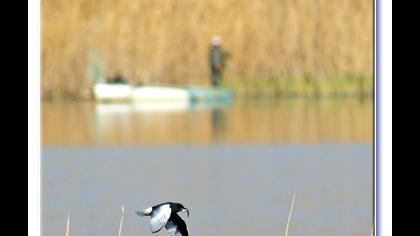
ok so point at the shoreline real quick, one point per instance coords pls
(303, 87)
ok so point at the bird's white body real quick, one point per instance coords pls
(145, 212)
(148, 211)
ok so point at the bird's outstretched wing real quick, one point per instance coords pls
(159, 218)
(176, 226)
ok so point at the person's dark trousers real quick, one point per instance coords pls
(216, 77)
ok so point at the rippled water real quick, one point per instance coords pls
(236, 167)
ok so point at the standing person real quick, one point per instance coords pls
(217, 60)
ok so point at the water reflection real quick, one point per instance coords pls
(217, 123)
(245, 121)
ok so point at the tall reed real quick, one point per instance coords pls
(290, 215)
(68, 226)
(121, 221)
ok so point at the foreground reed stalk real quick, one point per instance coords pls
(68, 226)
(121, 221)
(290, 214)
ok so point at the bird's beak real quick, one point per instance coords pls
(186, 210)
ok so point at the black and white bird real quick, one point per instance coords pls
(165, 214)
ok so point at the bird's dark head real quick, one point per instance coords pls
(178, 207)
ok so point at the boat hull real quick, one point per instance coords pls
(104, 92)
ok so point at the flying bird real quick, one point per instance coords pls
(165, 214)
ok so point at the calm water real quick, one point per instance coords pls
(235, 167)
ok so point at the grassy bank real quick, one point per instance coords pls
(280, 87)
(350, 86)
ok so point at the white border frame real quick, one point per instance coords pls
(384, 118)
(34, 121)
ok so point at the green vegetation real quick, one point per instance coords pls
(302, 86)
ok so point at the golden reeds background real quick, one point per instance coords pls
(167, 41)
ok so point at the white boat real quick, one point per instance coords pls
(110, 92)
(158, 93)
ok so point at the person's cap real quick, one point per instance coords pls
(216, 40)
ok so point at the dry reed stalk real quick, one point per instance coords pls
(68, 226)
(121, 221)
(290, 214)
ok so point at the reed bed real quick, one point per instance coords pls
(164, 41)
